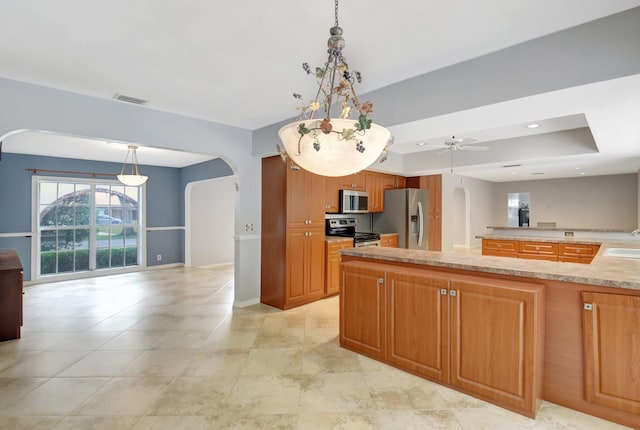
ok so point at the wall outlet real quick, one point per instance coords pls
(568, 234)
(159, 257)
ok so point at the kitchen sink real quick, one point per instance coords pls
(623, 252)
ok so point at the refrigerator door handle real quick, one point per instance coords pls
(420, 224)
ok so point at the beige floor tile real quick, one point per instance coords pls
(237, 421)
(12, 388)
(555, 417)
(174, 423)
(36, 341)
(97, 423)
(230, 339)
(57, 396)
(242, 321)
(60, 324)
(280, 337)
(400, 390)
(124, 396)
(273, 394)
(158, 322)
(273, 361)
(416, 419)
(494, 418)
(216, 363)
(28, 423)
(85, 341)
(159, 363)
(198, 322)
(46, 363)
(101, 363)
(335, 392)
(175, 340)
(10, 356)
(134, 340)
(329, 358)
(116, 323)
(339, 420)
(194, 396)
(284, 320)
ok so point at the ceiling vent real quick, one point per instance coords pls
(129, 99)
(513, 165)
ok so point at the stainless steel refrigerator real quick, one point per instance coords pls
(406, 213)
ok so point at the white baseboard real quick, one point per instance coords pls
(245, 303)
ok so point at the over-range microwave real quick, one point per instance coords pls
(354, 202)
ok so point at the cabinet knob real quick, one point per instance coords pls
(588, 306)
(452, 293)
(443, 291)
(380, 280)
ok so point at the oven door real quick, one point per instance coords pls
(367, 243)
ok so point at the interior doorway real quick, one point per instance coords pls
(461, 218)
(209, 221)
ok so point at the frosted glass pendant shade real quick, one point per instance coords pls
(334, 156)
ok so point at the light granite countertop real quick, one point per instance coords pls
(332, 239)
(596, 230)
(603, 271)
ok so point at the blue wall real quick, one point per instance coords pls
(164, 200)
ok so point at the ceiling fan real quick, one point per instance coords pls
(453, 143)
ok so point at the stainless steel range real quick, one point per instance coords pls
(346, 227)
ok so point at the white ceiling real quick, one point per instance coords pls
(238, 63)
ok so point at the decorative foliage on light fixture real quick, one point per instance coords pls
(338, 145)
(133, 179)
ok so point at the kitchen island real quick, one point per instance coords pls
(509, 331)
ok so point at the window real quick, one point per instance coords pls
(86, 225)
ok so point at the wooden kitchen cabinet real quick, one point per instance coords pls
(480, 335)
(576, 252)
(10, 295)
(500, 248)
(389, 240)
(400, 182)
(611, 330)
(538, 250)
(332, 258)
(292, 245)
(362, 309)
(418, 323)
(497, 341)
(375, 188)
(356, 181)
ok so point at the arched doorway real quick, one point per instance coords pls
(209, 221)
(461, 218)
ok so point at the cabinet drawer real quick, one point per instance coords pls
(334, 247)
(583, 260)
(390, 241)
(500, 245)
(540, 248)
(547, 257)
(577, 250)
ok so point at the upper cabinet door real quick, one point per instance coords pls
(611, 327)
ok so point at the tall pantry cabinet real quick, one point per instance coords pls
(292, 250)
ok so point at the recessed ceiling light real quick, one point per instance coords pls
(582, 173)
(577, 168)
(533, 125)
(421, 143)
(513, 173)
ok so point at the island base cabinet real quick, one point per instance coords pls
(482, 336)
(611, 329)
(418, 338)
(497, 342)
(362, 310)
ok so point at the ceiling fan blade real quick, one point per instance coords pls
(443, 152)
(474, 148)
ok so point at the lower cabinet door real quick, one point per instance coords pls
(493, 343)
(418, 323)
(611, 329)
(362, 309)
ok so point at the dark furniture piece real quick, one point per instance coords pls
(10, 295)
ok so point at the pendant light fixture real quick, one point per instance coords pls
(334, 145)
(133, 179)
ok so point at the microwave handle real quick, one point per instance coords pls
(420, 225)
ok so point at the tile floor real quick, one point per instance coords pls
(164, 349)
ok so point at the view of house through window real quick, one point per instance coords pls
(86, 225)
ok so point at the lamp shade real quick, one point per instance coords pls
(132, 180)
(335, 155)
